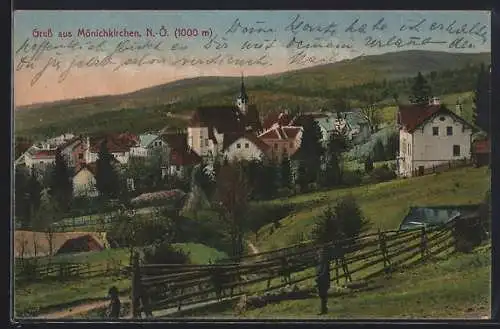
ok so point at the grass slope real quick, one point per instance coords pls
(454, 288)
(30, 298)
(151, 104)
(384, 204)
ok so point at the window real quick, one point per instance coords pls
(435, 131)
(456, 150)
(441, 118)
(275, 145)
(238, 145)
(449, 131)
(206, 142)
(80, 156)
(247, 145)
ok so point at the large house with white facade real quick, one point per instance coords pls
(211, 128)
(118, 145)
(431, 135)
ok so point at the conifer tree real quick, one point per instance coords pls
(420, 91)
(61, 182)
(107, 182)
(482, 102)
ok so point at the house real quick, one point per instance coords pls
(28, 244)
(147, 144)
(281, 141)
(481, 151)
(208, 125)
(357, 127)
(39, 159)
(73, 151)
(274, 119)
(244, 147)
(84, 182)
(431, 135)
(435, 215)
(118, 145)
(180, 156)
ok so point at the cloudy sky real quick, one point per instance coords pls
(74, 66)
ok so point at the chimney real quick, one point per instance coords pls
(434, 101)
(458, 108)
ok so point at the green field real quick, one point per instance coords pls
(456, 287)
(29, 298)
(384, 204)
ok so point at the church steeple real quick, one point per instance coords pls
(242, 100)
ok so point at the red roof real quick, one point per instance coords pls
(289, 132)
(116, 143)
(280, 118)
(45, 154)
(181, 154)
(413, 116)
(292, 132)
(482, 146)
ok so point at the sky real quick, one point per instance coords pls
(114, 65)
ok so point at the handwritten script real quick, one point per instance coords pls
(242, 43)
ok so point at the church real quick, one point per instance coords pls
(227, 131)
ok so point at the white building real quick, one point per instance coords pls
(84, 182)
(244, 147)
(209, 125)
(118, 146)
(147, 144)
(431, 135)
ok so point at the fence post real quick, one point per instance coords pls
(423, 242)
(383, 249)
(136, 282)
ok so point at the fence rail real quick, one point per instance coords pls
(161, 286)
(446, 165)
(28, 270)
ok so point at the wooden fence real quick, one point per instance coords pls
(164, 286)
(27, 270)
(446, 165)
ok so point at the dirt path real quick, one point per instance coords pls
(253, 248)
(78, 310)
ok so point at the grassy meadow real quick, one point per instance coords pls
(384, 204)
(455, 287)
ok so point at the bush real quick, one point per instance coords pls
(164, 253)
(284, 192)
(352, 178)
(138, 231)
(382, 174)
(351, 218)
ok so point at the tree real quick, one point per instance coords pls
(370, 108)
(61, 183)
(285, 173)
(378, 151)
(311, 150)
(49, 213)
(482, 101)
(21, 196)
(327, 228)
(337, 145)
(34, 190)
(420, 91)
(368, 164)
(352, 220)
(107, 182)
(232, 195)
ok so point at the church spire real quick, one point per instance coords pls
(242, 100)
(243, 94)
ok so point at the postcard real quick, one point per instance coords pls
(251, 165)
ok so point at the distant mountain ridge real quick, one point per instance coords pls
(183, 95)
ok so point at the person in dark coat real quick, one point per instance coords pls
(323, 279)
(114, 305)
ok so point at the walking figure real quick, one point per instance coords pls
(383, 249)
(114, 305)
(323, 279)
(285, 271)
